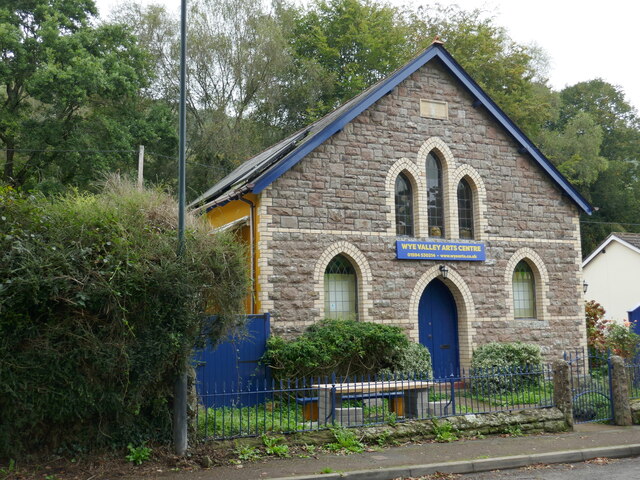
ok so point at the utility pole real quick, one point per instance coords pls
(141, 167)
(180, 387)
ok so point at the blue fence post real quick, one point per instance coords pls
(333, 398)
(453, 394)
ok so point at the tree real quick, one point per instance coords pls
(576, 150)
(607, 105)
(355, 42)
(66, 86)
(512, 74)
(237, 56)
(615, 189)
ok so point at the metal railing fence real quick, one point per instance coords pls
(307, 404)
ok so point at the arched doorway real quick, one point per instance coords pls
(438, 327)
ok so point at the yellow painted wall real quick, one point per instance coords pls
(234, 210)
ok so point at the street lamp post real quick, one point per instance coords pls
(180, 386)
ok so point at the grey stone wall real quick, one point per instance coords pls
(338, 193)
(549, 420)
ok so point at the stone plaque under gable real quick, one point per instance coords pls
(434, 109)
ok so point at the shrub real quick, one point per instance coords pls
(344, 347)
(97, 311)
(596, 327)
(498, 367)
(413, 360)
(607, 336)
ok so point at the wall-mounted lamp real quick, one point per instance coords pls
(444, 271)
(585, 287)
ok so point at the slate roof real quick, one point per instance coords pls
(629, 240)
(257, 173)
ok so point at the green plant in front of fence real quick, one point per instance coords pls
(514, 431)
(444, 431)
(139, 454)
(247, 453)
(229, 422)
(275, 446)
(345, 441)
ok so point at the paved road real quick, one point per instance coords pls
(621, 469)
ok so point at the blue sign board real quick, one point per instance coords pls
(451, 251)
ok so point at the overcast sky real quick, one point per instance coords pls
(585, 39)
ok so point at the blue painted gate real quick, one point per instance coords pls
(438, 328)
(634, 317)
(233, 366)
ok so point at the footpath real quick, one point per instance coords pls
(587, 441)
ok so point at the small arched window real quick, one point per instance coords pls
(435, 194)
(340, 289)
(465, 209)
(404, 206)
(524, 291)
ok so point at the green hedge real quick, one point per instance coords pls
(495, 366)
(96, 311)
(346, 347)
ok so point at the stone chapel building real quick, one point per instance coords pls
(420, 204)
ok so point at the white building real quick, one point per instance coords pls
(611, 273)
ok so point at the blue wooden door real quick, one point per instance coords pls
(438, 328)
(234, 366)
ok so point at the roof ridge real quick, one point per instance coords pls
(261, 170)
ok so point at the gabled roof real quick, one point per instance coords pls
(260, 171)
(629, 240)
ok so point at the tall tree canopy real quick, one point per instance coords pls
(257, 72)
(69, 90)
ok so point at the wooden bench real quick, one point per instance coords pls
(406, 397)
(310, 404)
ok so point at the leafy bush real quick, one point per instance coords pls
(413, 360)
(97, 311)
(596, 326)
(622, 340)
(608, 336)
(345, 347)
(500, 367)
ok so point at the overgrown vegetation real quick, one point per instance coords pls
(345, 441)
(97, 311)
(229, 422)
(505, 367)
(444, 431)
(608, 336)
(345, 347)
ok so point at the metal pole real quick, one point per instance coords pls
(180, 386)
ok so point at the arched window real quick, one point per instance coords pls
(435, 196)
(465, 209)
(404, 206)
(524, 291)
(340, 289)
